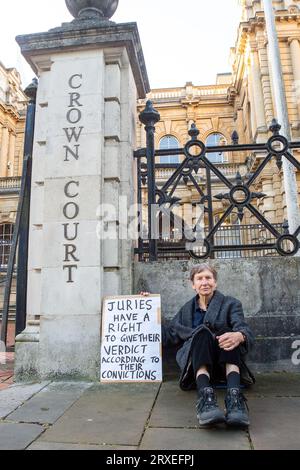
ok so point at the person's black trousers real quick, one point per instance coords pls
(206, 352)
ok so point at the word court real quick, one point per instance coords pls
(71, 207)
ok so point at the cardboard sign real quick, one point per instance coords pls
(131, 339)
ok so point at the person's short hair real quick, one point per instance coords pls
(199, 268)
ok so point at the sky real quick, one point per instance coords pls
(183, 41)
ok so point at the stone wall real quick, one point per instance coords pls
(269, 289)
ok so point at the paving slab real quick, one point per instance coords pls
(18, 436)
(14, 396)
(275, 423)
(50, 403)
(113, 414)
(217, 438)
(174, 408)
(64, 446)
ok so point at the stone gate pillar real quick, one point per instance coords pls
(91, 72)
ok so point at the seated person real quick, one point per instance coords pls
(214, 340)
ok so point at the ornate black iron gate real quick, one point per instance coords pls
(239, 196)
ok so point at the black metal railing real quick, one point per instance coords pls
(172, 249)
(19, 242)
(239, 196)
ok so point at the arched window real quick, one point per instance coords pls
(6, 235)
(169, 142)
(214, 140)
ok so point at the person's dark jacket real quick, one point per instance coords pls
(224, 313)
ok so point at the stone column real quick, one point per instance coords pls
(11, 154)
(265, 78)
(290, 184)
(295, 55)
(252, 104)
(268, 208)
(278, 196)
(258, 97)
(1, 137)
(4, 152)
(91, 73)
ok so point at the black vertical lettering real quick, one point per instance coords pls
(66, 232)
(72, 80)
(77, 116)
(69, 251)
(73, 133)
(69, 268)
(67, 212)
(74, 154)
(66, 190)
(74, 97)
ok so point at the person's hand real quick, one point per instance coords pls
(230, 341)
(145, 294)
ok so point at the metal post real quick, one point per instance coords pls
(210, 207)
(290, 182)
(140, 213)
(21, 295)
(12, 256)
(150, 117)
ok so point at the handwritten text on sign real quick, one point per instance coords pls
(131, 339)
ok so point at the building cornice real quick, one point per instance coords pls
(85, 35)
(10, 110)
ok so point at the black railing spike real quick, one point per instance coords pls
(285, 227)
(149, 116)
(235, 138)
(196, 167)
(238, 178)
(275, 127)
(194, 132)
(241, 214)
(279, 162)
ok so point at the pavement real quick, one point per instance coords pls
(132, 417)
(7, 359)
(6, 370)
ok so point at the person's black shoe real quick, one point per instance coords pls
(207, 408)
(236, 408)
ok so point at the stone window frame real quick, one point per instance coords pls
(6, 236)
(224, 158)
(173, 159)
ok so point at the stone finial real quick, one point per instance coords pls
(85, 9)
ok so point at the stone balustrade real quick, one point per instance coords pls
(182, 93)
(11, 183)
(228, 170)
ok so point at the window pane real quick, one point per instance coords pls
(214, 140)
(6, 235)
(169, 142)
